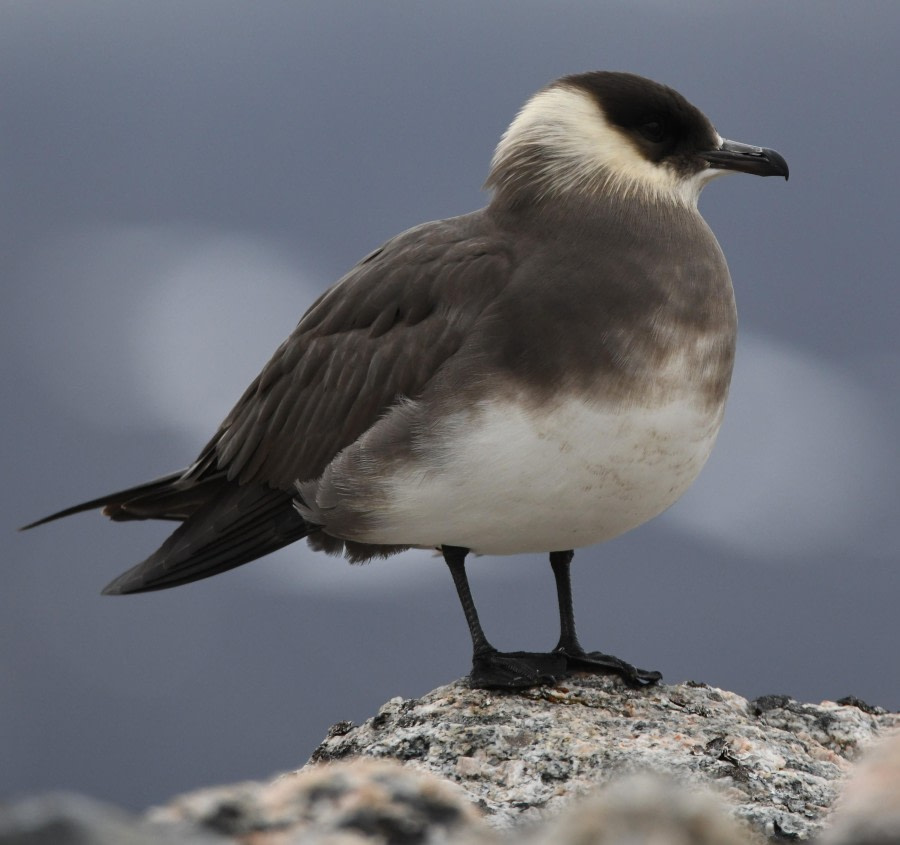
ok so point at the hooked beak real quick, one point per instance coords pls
(746, 158)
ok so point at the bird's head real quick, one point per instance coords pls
(617, 135)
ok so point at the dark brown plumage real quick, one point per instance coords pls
(588, 290)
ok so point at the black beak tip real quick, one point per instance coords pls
(745, 158)
(780, 165)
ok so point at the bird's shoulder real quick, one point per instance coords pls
(380, 333)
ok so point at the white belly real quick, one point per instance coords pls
(509, 481)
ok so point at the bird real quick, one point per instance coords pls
(539, 375)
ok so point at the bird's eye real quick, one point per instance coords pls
(653, 131)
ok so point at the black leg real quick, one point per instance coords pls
(492, 669)
(576, 657)
(455, 558)
(561, 562)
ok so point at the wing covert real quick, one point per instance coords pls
(380, 333)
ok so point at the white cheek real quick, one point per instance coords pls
(585, 152)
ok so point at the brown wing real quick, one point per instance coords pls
(379, 334)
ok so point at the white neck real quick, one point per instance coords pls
(561, 142)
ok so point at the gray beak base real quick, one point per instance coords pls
(746, 158)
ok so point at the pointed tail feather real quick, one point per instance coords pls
(170, 497)
(239, 525)
(115, 505)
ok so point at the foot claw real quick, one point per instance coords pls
(597, 661)
(524, 669)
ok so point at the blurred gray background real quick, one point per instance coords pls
(179, 180)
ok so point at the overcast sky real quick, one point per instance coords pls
(180, 180)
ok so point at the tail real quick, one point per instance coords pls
(239, 525)
(224, 525)
(162, 498)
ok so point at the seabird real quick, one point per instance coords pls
(537, 376)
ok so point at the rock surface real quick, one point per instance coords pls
(644, 810)
(64, 818)
(383, 802)
(868, 809)
(360, 803)
(520, 757)
(777, 762)
(675, 765)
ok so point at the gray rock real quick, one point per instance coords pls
(382, 802)
(645, 810)
(868, 810)
(71, 819)
(589, 763)
(379, 802)
(521, 756)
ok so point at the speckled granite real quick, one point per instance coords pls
(868, 809)
(377, 802)
(778, 763)
(589, 762)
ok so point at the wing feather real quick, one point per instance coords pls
(375, 338)
(378, 335)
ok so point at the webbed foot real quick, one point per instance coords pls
(578, 660)
(517, 669)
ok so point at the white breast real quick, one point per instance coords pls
(506, 479)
